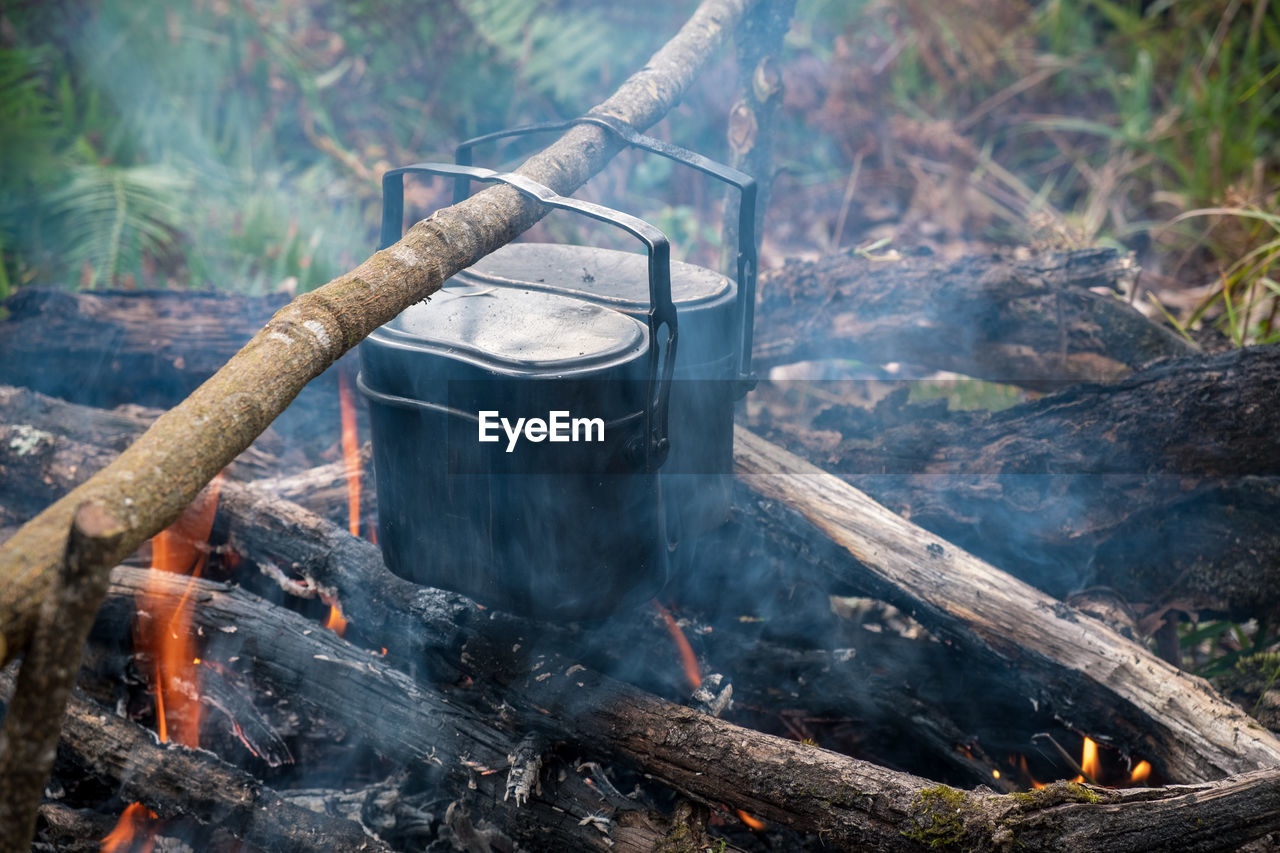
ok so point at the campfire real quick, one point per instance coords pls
(220, 655)
(897, 627)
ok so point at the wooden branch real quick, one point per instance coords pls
(1033, 322)
(753, 117)
(149, 485)
(173, 780)
(29, 738)
(1095, 679)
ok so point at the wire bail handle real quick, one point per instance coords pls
(744, 183)
(662, 310)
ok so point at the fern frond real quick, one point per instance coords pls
(111, 216)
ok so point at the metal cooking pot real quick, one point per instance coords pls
(713, 369)
(554, 529)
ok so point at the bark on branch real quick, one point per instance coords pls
(150, 484)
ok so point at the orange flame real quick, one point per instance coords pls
(1026, 771)
(751, 822)
(350, 451)
(688, 660)
(1141, 772)
(132, 826)
(1089, 762)
(336, 622)
(170, 640)
(351, 463)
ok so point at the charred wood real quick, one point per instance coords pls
(418, 624)
(1029, 322)
(1162, 486)
(1034, 320)
(652, 718)
(110, 348)
(175, 781)
(1094, 678)
(112, 429)
(465, 739)
(851, 804)
(69, 830)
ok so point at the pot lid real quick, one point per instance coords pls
(515, 331)
(607, 277)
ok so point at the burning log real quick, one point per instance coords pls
(175, 781)
(1031, 322)
(407, 720)
(851, 804)
(617, 720)
(345, 567)
(1091, 675)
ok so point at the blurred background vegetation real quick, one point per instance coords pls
(237, 144)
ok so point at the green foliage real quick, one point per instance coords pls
(1249, 291)
(110, 217)
(1073, 122)
(561, 51)
(1215, 647)
(939, 814)
(968, 394)
(238, 145)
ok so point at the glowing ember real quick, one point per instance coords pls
(165, 634)
(1141, 772)
(133, 832)
(688, 660)
(751, 822)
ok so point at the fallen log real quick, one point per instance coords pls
(106, 349)
(175, 781)
(1095, 679)
(1032, 322)
(1162, 486)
